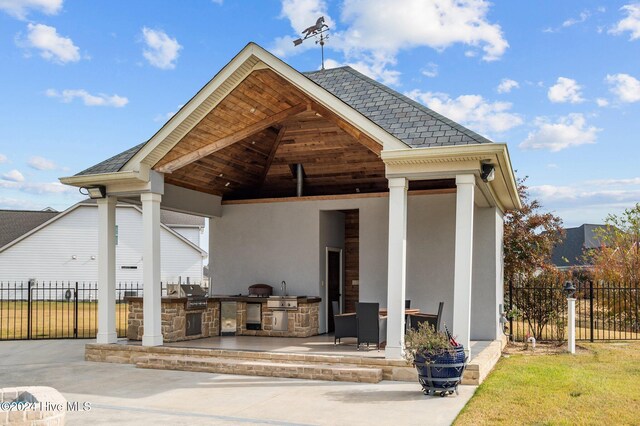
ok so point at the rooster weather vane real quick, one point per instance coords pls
(314, 31)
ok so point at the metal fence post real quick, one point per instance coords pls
(75, 313)
(591, 309)
(513, 336)
(29, 310)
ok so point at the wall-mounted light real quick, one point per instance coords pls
(487, 172)
(94, 192)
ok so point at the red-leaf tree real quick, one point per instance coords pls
(529, 236)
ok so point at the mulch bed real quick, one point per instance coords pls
(542, 348)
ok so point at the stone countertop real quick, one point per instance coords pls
(245, 298)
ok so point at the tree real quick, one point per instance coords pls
(618, 257)
(529, 236)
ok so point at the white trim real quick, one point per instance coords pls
(326, 280)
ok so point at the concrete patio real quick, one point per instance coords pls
(123, 394)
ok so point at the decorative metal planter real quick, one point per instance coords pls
(442, 373)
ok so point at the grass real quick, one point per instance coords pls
(54, 319)
(598, 385)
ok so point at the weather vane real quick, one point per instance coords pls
(314, 31)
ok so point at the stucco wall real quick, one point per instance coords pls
(269, 243)
(487, 290)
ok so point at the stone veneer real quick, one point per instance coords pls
(302, 322)
(174, 319)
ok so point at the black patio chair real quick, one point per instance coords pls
(372, 329)
(345, 325)
(433, 320)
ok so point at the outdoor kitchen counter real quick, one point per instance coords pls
(253, 299)
(176, 317)
(301, 322)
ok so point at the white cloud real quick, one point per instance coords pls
(68, 95)
(52, 46)
(584, 15)
(41, 163)
(372, 32)
(21, 8)
(565, 90)
(583, 194)
(161, 50)
(380, 25)
(602, 102)
(218, 2)
(471, 110)
(372, 70)
(3, 158)
(38, 187)
(431, 70)
(13, 176)
(568, 131)
(507, 85)
(615, 182)
(625, 87)
(552, 166)
(630, 23)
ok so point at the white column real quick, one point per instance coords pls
(571, 309)
(151, 269)
(397, 267)
(107, 270)
(463, 260)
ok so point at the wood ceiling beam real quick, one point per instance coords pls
(272, 154)
(365, 140)
(209, 149)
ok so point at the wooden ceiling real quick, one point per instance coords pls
(246, 146)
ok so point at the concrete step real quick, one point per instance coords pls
(258, 367)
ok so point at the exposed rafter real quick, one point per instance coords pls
(231, 139)
(365, 140)
(272, 154)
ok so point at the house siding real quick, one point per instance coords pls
(47, 254)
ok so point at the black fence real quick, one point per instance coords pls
(59, 310)
(604, 311)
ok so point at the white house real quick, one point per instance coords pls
(51, 246)
(305, 172)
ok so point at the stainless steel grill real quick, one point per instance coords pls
(196, 295)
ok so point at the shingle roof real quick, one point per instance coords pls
(404, 118)
(409, 121)
(113, 164)
(571, 251)
(15, 223)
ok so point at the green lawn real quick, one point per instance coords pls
(599, 385)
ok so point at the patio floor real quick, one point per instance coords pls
(318, 345)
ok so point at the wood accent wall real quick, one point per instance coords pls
(352, 259)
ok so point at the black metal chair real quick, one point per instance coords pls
(345, 325)
(433, 320)
(372, 329)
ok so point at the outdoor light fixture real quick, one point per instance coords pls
(569, 289)
(95, 192)
(487, 172)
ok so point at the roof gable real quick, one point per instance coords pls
(23, 219)
(15, 223)
(409, 121)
